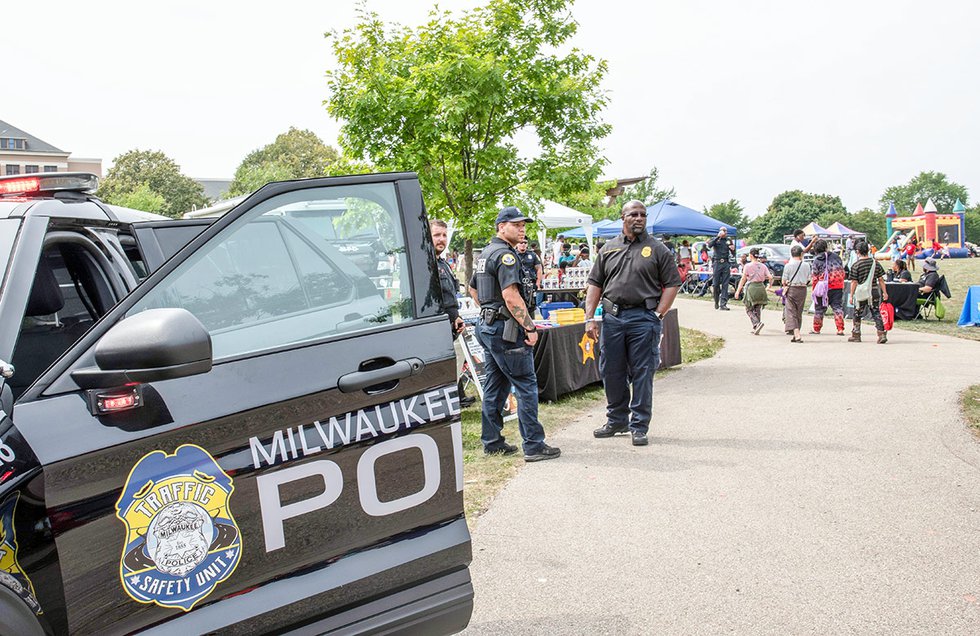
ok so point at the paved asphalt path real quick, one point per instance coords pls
(822, 488)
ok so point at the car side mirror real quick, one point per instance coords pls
(157, 344)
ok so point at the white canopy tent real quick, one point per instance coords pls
(557, 216)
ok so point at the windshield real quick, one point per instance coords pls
(8, 234)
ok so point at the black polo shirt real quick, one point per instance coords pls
(634, 272)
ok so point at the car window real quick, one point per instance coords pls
(8, 234)
(275, 277)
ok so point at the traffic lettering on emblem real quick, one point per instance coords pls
(181, 538)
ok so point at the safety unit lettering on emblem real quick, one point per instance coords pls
(181, 538)
(12, 576)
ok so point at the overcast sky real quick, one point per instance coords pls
(728, 99)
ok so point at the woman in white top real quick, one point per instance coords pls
(795, 278)
(684, 255)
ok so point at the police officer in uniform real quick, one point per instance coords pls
(722, 249)
(636, 280)
(532, 272)
(507, 333)
(448, 303)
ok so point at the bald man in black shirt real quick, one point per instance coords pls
(636, 280)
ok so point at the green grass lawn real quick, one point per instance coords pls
(960, 274)
(484, 475)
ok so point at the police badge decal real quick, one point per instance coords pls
(181, 540)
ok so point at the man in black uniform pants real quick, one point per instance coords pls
(723, 249)
(636, 280)
(450, 287)
(508, 334)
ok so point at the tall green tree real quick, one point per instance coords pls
(927, 185)
(295, 154)
(732, 213)
(791, 210)
(159, 173)
(972, 223)
(448, 98)
(869, 222)
(142, 198)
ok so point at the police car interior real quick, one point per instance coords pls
(247, 424)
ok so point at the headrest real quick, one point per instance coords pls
(46, 297)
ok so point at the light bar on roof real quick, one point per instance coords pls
(49, 182)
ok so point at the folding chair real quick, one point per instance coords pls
(932, 304)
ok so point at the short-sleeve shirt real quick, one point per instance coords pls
(929, 279)
(722, 247)
(755, 272)
(860, 269)
(503, 265)
(796, 273)
(633, 273)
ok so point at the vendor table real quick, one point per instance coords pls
(562, 294)
(970, 316)
(902, 296)
(565, 360)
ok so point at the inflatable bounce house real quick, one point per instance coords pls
(927, 225)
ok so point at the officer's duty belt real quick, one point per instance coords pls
(488, 315)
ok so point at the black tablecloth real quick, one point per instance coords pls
(565, 360)
(903, 296)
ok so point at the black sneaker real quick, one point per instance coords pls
(467, 401)
(502, 448)
(639, 439)
(546, 452)
(609, 430)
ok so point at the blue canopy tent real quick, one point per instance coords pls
(669, 218)
(579, 232)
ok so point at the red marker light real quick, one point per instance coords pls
(119, 403)
(130, 398)
(20, 186)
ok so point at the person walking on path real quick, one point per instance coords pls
(636, 280)
(796, 276)
(723, 248)
(828, 268)
(869, 273)
(507, 333)
(756, 279)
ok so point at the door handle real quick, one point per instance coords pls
(358, 380)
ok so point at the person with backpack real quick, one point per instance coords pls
(868, 290)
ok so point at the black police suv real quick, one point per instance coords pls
(226, 425)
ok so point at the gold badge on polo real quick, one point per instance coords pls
(508, 259)
(181, 539)
(646, 252)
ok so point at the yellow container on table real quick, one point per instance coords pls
(568, 316)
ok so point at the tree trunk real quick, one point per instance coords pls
(468, 261)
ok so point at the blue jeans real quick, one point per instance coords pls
(630, 353)
(508, 364)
